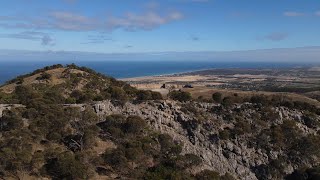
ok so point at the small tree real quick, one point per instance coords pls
(180, 96)
(44, 76)
(144, 95)
(66, 166)
(134, 124)
(208, 175)
(217, 97)
(156, 95)
(118, 94)
(148, 95)
(227, 101)
(10, 121)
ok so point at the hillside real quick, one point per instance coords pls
(69, 122)
(70, 84)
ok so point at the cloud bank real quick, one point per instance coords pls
(299, 14)
(293, 55)
(69, 21)
(277, 36)
(274, 36)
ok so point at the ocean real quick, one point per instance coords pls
(126, 69)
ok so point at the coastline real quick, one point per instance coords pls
(184, 73)
(162, 75)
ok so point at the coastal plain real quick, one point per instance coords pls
(299, 82)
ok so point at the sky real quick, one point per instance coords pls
(160, 26)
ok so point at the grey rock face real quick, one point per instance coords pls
(232, 156)
(167, 117)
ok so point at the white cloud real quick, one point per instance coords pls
(194, 38)
(195, 1)
(152, 5)
(274, 36)
(70, 1)
(61, 20)
(98, 39)
(199, 0)
(44, 38)
(303, 54)
(71, 21)
(293, 14)
(277, 36)
(147, 21)
(67, 16)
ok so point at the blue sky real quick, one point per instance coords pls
(140, 26)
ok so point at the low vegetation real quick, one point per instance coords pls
(180, 96)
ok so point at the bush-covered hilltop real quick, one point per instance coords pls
(70, 84)
(69, 122)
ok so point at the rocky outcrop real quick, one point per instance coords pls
(233, 157)
(4, 107)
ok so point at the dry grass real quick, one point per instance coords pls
(203, 85)
(56, 79)
(206, 93)
(102, 146)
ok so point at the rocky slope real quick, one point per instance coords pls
(201, 137)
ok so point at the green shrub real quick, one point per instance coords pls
(10, 121)
(259, 99)
(188, 161)
(66, 166)
(217, 97)
(168, 147)
(44, 76)
(305, 173)
(134, 124)
(227, 176)
(224, 134)
(54, 96)
(118, 95)
(180, 96)
(25, 94)
(143, 95)
(116, 158)
(227, 101)
(310, 120)
(156, 95)
(241, 127)
(71, 100)
(208, 175)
